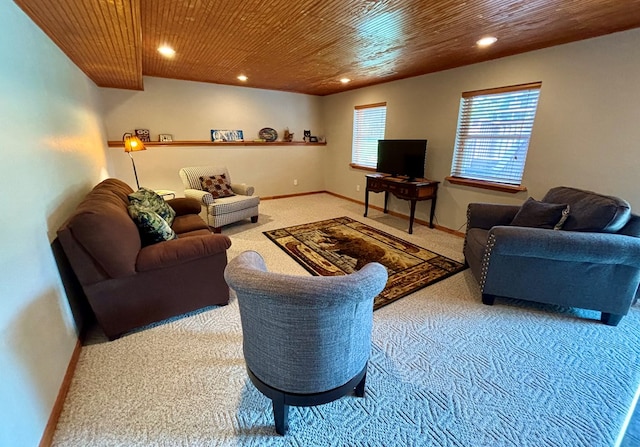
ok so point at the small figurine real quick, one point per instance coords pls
(307, 136)
(288, 136)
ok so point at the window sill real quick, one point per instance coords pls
(486, 185)
(362, 168)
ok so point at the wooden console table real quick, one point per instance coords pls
(421, 189)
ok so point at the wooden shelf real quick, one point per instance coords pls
(216, 143)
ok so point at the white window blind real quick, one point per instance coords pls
(494, 127)
(368, 127)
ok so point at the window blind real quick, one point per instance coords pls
(368, 127)
(494, 128)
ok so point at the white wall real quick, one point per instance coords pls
(586, 132)
(189, 110)
(53, 152)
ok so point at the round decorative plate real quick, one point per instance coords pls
(268, 134)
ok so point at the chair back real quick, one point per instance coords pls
(190, 176)
(304, 334)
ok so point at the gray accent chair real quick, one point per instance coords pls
(221, 211)
(593, 262)
(306, 339)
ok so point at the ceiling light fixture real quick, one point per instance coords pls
(345, 80)
(486, 41)
(243, 78)
(166, 51)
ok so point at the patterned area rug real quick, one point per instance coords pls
(343, 245)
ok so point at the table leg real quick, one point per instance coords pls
(386, 199)
(412, 215)
(366, 202)
(433, 210)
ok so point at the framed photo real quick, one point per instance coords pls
(165, 137)
(313, 139)
(144, 135)
(227, 135)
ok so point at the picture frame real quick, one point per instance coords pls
(313, 139)
(165, 137)
(226, 135)
(144, 135)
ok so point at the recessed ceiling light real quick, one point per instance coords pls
(243, 78)
(345, 80)
(166, 51)
(486, 41)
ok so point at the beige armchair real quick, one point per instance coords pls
(222, 201)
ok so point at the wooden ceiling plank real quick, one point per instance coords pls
(304, 45)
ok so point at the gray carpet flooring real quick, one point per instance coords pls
(445, 370)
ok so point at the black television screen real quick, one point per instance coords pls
(402, 157)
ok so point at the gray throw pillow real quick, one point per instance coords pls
(541, 215)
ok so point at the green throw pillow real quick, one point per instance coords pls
(152, 227)
(149, 199)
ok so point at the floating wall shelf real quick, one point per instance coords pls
(216, 143)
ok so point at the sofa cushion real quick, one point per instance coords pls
(232, 204)
(152, 227)
(183, 206)
(591, 211)
(217, 185)
(541, 215)
(150, 200)
(188, 223)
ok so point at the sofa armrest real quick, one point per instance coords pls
(183, 206)
(242, 189)
(203, 197)
(488, 215)
(178, 251)
(569, 246)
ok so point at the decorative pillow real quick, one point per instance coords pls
(541, 215)
(151, 200)
(217, 185)
(152, 227)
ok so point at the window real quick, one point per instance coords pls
(368, 127)
(494, 127)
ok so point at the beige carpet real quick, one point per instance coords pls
(445, 370)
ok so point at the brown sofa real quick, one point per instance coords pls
(129, 285)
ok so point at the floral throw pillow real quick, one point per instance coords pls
(217, 185)
(151, 200)
(152, 227)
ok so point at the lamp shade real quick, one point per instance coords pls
(133, 144)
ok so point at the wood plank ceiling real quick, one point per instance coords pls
(307, 46)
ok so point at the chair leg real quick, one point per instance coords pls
(488, 299)
(359, 390)
(280, 414)
(610, 319)
(254, 219)
(217, 230)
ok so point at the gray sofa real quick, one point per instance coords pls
(592, 262)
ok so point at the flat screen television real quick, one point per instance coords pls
(402, 158)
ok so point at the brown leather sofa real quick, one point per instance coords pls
(129, 285)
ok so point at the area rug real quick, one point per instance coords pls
(343, 245)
